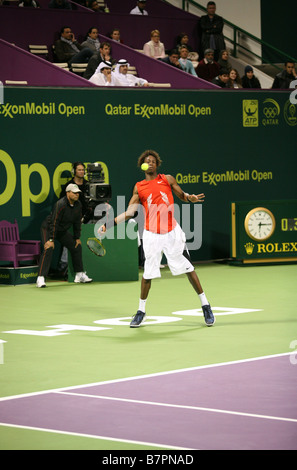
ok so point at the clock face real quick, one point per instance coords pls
(259, 224)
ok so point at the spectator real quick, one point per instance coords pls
(29, 3)
(249, 80)
(283, 79)
(94, 5)
(172, 59)
(127, 79)
(115, 35)
(103, 75)
(212, 30)
(67, 49)
(139, 9)
(185, 63)
(154, 48)
(208, 68)
(222, 79)
(103, 55)
(60, 5)
(183, 40)
(234, 79)
(92, 41)
(223, 60)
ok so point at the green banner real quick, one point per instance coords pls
(231, 145)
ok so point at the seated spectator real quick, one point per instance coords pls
(207, 68)
(60, 5)
(283, 79)
(222, 79)
(223, 60)
(183, 40)
(185, 63)
(103, 55)
(94, 5)
(234, 79)
(67, 49)
(115, 35)
(154, 48)
(92, 41)
(104, 76)
(125, 78)
(172, 59)
(29, 3)
(139, 9)
(249, 80)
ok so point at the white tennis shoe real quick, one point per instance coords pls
(40, 282)
(82, 277)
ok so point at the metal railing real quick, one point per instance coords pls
(239, 35)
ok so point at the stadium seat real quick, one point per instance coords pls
(39, 50)
(16, 82)
(15, 250)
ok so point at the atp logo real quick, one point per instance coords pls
(250, 113)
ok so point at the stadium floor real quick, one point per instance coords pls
(74, 375)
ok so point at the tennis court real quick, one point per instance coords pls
(75, 376)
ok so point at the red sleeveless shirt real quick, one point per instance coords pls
(157, 199)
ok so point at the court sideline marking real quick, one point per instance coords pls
(184, 407)
(156, 374)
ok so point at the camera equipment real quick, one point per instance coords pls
(97, 191)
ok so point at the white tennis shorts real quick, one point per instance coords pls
(173, 245)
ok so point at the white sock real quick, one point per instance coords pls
(142, 305)
(203, 299)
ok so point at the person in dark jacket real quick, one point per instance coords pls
(66, 213)
(211, 27)
(222, 79)
(284, 78)
(68, 49)
(249, 80)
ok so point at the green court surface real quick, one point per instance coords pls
(53, 338)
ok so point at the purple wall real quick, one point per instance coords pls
(42, 26)
(17, 64)
(23, 26)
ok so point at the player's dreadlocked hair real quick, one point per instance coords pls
(145, 154)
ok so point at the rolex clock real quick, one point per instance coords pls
(259, 223)
(264, 231)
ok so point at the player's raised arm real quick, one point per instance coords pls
(182, 195)
(130, 212)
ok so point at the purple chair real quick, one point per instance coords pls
(16, 250)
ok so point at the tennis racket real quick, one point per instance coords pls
(96, 246)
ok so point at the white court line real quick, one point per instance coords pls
(137, 377)
(125, 441)
(184, 407)
(64, 391)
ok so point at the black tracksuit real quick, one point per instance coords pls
(55, 227)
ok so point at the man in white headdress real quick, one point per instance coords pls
(125, 78)
(103, 75)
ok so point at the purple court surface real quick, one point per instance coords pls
(235, 406)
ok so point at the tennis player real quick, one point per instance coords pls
(161, 233)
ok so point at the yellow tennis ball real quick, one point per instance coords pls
(144, 166)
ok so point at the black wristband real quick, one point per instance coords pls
(110, 223)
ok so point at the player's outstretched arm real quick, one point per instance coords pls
(130, 212)
(186, 197)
